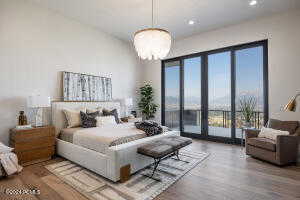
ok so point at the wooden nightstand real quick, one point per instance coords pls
(33, 145)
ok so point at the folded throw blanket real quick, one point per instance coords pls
(149, 127)
(4, 148)
(9, 162)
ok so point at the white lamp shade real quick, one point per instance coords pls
(38, 101)
(128, 102)
(152, 43)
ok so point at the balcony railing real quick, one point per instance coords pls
(217, 118)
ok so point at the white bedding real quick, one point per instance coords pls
(109, 164)
(100, 138)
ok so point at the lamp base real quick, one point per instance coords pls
(38, 118)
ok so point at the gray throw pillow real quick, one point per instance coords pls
(89, 119)
(290, 126)
(113, 112)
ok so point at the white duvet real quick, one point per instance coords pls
(100, 138)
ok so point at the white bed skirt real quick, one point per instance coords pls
(108, 165)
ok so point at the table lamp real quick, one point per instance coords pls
(292, 105)
(127, 103)
(38, 102)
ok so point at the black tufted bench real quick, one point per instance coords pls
(163, 148)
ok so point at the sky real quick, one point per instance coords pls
(249, 75)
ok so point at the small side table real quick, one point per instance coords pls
(244, 129)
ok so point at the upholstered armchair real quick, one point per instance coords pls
(282, 151)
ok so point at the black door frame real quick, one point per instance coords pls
(204, 89)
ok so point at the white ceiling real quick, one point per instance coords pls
(122, 18)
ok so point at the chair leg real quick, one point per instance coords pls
(176, 153)
(156, 163)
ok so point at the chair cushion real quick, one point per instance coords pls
(271, 133)
(289, 126)
(263, 143)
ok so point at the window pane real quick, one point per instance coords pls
(172, 95)
(249, 88)
(219, 94)
(192, 95)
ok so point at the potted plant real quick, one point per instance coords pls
(146, 104)
(247, 106)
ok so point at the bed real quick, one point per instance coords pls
(104, 156)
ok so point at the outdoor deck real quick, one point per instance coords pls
(213, 131)
(219, 121)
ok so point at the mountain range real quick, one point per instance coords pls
(217, 103)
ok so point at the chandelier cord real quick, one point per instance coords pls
(152, 14)
(152, 43)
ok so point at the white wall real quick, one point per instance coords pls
(36, 44)
(283, 33)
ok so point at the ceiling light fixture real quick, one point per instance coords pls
(191, 22)
(252, 2)
(152, 43)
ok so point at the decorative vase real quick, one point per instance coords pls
(22, 119)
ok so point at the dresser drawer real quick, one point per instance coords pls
(34, 143)
(28, 135)
(36, 154)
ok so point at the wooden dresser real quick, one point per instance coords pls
(33, 145)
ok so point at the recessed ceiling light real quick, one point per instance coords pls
(191, 22)
(252, 2)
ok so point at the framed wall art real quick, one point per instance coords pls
(83, 87)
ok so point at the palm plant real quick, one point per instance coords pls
(146, 105)
(247, 106)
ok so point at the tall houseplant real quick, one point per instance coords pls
(247, 106)
(146, 105)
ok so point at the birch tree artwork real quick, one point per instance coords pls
(82, 87)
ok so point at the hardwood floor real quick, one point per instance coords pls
(226, 174)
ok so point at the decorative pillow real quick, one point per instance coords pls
(113, 112)
(92, 110)
(89, 119)
(105, 120)
(271, 133)
(289, 126)
(73, 117)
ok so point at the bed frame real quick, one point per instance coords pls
(108, 165)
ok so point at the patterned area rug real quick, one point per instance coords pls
(139, 187)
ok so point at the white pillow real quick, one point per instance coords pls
(4, 148)
(271, 133)
(73, 117)
(105, 120)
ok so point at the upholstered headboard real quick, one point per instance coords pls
(59, 119)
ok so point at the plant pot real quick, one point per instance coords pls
(247, 124)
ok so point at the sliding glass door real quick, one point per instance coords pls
(219, 94)
(249, 86)
(192, 95)
(172, 95)
(203, 94)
